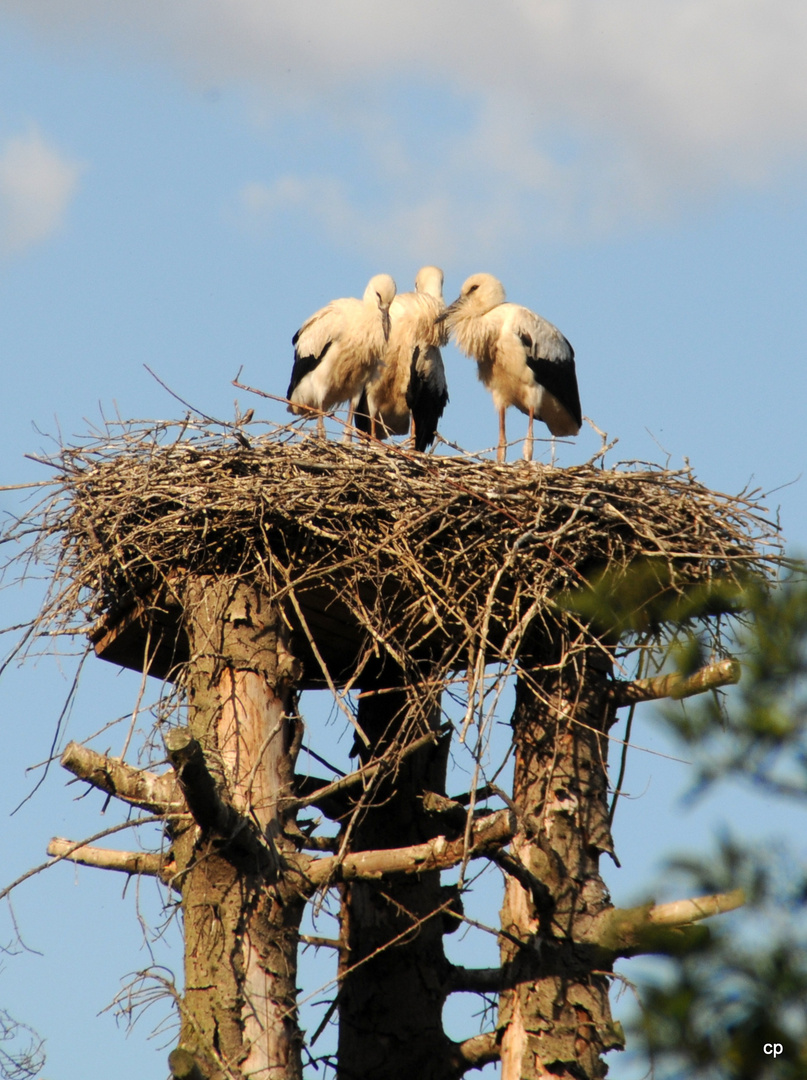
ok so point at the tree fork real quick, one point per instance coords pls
(242, 906)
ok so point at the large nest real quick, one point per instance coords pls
(378, 556)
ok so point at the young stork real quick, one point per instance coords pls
(522, 359)
(337, 350)
(411, 380)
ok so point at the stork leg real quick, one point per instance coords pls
(348, 437)
(320, 426)
(501, 453)
(528, 441)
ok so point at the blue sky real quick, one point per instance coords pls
(182, 184)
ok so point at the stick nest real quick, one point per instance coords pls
(377, 554)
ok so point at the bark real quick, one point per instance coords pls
(242, 901)
(555, 1018)
(394, 971)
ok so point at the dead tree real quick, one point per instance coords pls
(241, 574)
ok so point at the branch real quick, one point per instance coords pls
(158, 794)
(154, 864)
(314, 791)
(366, 772)
(664, 929)
(321, 942)
(90, 839)
(684, 912)
(676, 686)
(475, 1053)
(438, 854)
(183, 1065)
(465, 980)
(201, 794)
(198, 786)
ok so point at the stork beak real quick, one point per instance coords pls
(385, 319)
(450, 311)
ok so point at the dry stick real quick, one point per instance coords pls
(683, 912)
(677, 686)
(492, 831)
(79, 843)
(381, 949)
(147, 662)
(138, 787)
(408, 455)
(623, 756)
(153, 864)
(366, 772)
(323, 666)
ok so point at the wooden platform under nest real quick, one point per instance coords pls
(378, 556)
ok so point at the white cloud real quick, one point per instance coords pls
(325, 204)
(36, 186)
(661, 102)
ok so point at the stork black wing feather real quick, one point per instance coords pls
(560, 379)
(304, 365)
(426, 402)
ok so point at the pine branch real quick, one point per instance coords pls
(475, 1052)
(366, 772)
(465, 980)
(676, 686)
(488, 833)
(158, 794)
(154, 864)
(209, 812)
(666, 929)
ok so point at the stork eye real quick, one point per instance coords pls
(473, 288)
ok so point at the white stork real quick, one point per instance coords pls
(522, 359)
(411, 378)
(338, 348)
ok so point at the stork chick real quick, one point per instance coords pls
(410, 381)
(338, 348)
(522, 359)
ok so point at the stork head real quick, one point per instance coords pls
(429, 280)
(381, 292)
(478, 295)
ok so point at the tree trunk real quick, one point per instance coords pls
(555, 1015)
(242, 895)
(393, 988)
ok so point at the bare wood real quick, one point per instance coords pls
(362, 775)
(684, 912)
(710, 677)
(321, 942)
(661, 929)
(153, 864)
(475, 1052)
(158, 793)
(438, 854)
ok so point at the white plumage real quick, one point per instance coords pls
(338, 348)
(522, 359)
(410, 380)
